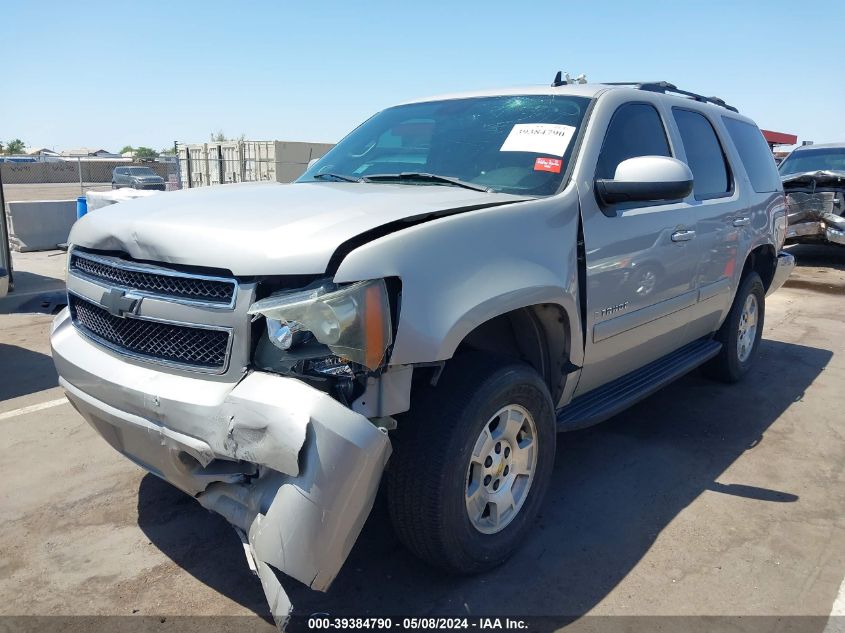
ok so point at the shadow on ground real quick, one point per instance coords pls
(819, 255)
(33, 371)
(614, 488)
(31, 290)
(199, 541)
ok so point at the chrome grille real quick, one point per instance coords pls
(154, 281)
(194, 347)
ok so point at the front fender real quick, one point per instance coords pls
(462, 270)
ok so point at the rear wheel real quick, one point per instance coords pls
(741, 332)
(471, 464)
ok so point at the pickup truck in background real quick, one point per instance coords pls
(813, 178)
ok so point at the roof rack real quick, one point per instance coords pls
(665, 86)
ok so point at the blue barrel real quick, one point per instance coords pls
(81, 206)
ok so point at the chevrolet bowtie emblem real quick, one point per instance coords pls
(118, 303)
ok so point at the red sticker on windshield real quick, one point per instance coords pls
(548, 164)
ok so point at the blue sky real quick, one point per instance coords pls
(148, 73)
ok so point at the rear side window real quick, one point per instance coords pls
(705, 156)
(755, 155)
(635, 130)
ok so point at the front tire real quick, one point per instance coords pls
(472, 462)
(740, 333)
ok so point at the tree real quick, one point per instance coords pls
(1, 148)
(145, 153)
(127, 148)
(169, 151)
(220, 137)
(15, 146)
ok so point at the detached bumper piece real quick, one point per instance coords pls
(291, 468)
(783, 269)
(834, 228)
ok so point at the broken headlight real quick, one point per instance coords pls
(352, 321)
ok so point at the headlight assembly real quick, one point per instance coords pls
(352, 321)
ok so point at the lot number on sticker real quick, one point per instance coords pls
(548, 164)
(539, 138)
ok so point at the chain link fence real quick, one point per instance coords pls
(69, 178)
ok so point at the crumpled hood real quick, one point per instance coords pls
(823, 177)
(264, 228)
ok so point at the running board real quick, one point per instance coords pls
(606, 401)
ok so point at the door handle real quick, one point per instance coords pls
(744, 221)
(683, 236)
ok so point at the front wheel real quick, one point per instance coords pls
(741, 332)
(472, 461)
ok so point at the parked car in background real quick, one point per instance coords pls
(17, 159)
(813, 179)
(455, 282)
(136, 178)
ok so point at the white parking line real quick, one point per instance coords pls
(33, 407)
(836, 623)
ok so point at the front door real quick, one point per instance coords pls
(640, 260)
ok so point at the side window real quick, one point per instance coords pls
(705, 156)
(634, 130)
(755, 155)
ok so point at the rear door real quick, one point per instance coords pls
(640, 257)
(719, 219)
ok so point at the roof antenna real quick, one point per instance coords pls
(559, 80)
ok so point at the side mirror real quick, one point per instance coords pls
(646, 179)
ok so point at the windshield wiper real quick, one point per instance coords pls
(416, 175)
(340, 177)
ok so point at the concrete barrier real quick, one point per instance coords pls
(39, 225)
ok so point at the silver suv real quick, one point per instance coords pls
(136, 178)
(458, 280)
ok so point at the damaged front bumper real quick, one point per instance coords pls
(815, 204)
(830, 229)
(289, 466)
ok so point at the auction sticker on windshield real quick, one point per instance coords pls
(548, 164)
(539, 138)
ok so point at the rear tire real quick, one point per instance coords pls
(740, 333)
(471, 464)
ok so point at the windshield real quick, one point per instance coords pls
(141, 171)
(801, 161)
(512, 144)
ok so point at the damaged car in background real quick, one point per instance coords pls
(813, 179)
(455, 282)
